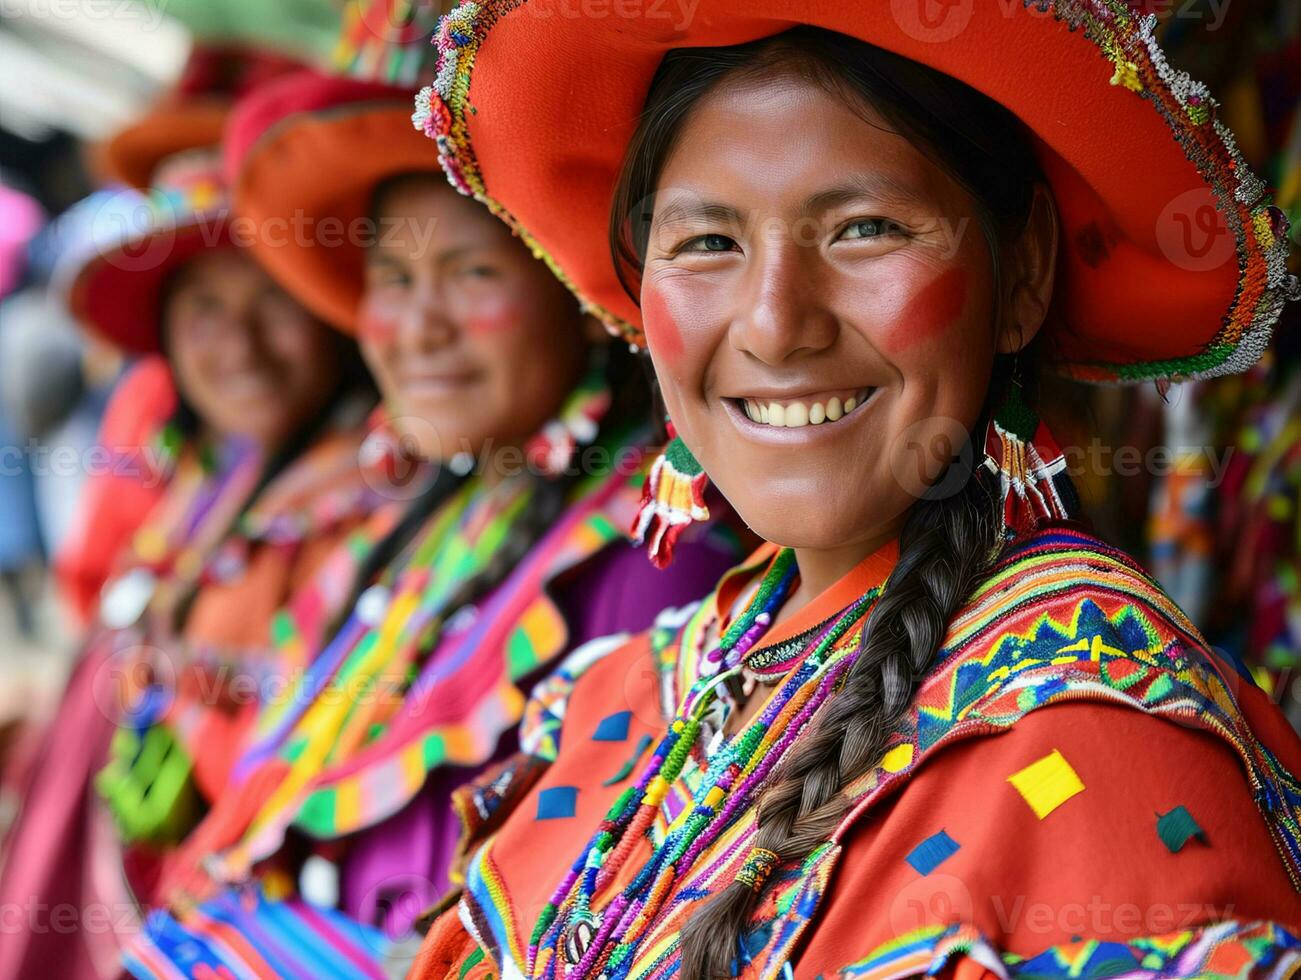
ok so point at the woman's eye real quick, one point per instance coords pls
(206, 304)
(870, 228)
(479, 271)
(708, 243)
(382, 276)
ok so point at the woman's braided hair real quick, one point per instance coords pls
(947, 540)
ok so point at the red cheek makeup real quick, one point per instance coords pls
(493, 318)
(377, 328)
(931, 312)
(662, 331)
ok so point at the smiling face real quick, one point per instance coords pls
(820, 318)
(248, 358)
(471, 339)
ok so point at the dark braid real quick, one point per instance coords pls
(944, 548)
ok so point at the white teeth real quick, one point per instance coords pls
(796, 415)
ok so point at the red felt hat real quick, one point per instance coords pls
(1172, 258)
(136, 239)
(304, 155)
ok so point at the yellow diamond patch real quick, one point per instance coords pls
(1047, 783)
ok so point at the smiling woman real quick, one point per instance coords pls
(848, 250)
(803, 307)
(247, 358)
(521, 348)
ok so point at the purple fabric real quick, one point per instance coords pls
(398, 868)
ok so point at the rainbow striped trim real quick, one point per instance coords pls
(248, 936)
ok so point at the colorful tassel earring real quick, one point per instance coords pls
(673, 497)
(1033, 483)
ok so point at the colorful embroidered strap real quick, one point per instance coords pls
(201, 505)
(147, 780)
(409, 684)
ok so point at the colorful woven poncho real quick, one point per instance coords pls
(1080, 784)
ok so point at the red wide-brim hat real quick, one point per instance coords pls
(309, 149)
(115, 287)
(119, 292)
(116, 281)
(1172, 257)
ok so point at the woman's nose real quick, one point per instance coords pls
(241, 341)
(424, 323)
(782, 307)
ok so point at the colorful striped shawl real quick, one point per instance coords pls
(456, 707)
(1227, 949)
(1063, 617)
(247, 936)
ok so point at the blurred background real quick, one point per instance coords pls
(1203, 481)
(73, 73)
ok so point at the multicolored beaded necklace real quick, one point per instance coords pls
(570, 938)
(169, 555)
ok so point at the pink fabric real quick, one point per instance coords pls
(20, 219)
(56, 923)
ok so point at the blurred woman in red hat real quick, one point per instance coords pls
(933, 727)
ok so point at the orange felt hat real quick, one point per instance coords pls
(304, 154)
(1172, 257)
(192, 114)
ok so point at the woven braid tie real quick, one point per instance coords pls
(759, 865)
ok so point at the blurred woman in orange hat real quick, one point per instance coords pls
(539, 428)
(934, 727)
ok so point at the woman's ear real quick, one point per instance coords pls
(1030, 265)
